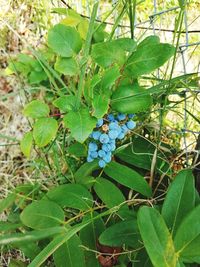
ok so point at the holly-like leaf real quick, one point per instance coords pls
(64, 40)
(148, 57)
(128, 177)
(42, 214)
(109, 77)
(65, 103)
(26, 144)
(67, 66)
(100, 104)
(80, 123)
(129, 99)
(44, 130)
(180, 200)
(36, 109)
(156, 237)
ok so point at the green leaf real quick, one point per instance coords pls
(72, 196)
(156, 237)
(89, 236)
(100, 104)
(7, 202)
(64, 40)
(26, 144)
(109, 77)
(128, 177)
(187, 238)
(106, 54)
(44, 130)
(65, 103)
(148, 57)
(37, 77)
(152, 39)
(31, 236)
(42, 214)
(180, 200)
(109, 193)
(129, 99)
(67, 66)
(122, 233)
(127, 44)
(36, 109)
(85, 170)
(70, 254)
(7, 226)
(16, 263)
(80, 123)
(77, 149)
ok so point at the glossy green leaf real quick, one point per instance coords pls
(26, 144)
(36, 109)
(44, 131)
(152, 39)
(80, 123)
(109, 193)
(128, 177)
(142, 259)
(121, 233)
(7, 226)
(156, 237)
(70, 254)
(72, 196)
(42, 214)
(127, 44)
(65, 103)
(7, 202)
(36, 77)
(180, 200)
(148, 57)
(187, 238)
(89, 236)
(77, 149)
(100, 104)
(67, 66)
(109, 77)
(106, 54)
(85, 170)
(64, 40)
(129, 99)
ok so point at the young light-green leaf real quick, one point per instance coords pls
(180, 200)
(67, 66)
(44, 130)
(71, 196)
(100, 104)
(70, 254)
(26, 144)
(64, 40)
(128, 177)
(36, 109)
(187, 238)
(80, 123)
(129, 99)
(65, 103)
(42, 214)
(156, 237)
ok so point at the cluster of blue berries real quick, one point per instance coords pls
(103, 139)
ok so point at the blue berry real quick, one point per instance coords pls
(96, 135)
(121, 136)
(101, 153)
(94, 154)
(113, 134)
(124, 129)
(110, 117)
(121, 116)
(102, 163)
(89, 159)
(99, 123)
(113, 147)
(106, 147)
(107, 158)
(104, 139)
(93, 146)
(130, 116)
(131, 125)
(113, 126)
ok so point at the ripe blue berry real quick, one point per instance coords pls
(94, 154)
(110, 117)
(93, 146)
(124, 129)
(113, 134)
(121, 116)
(107, 158)
(113, 147)
(104, 138)
(99, 123)
(106, 147)
(131, 125)
(113, 126)
(130, 116)
(89, 159)
(101, 153)
(121, 136)
(96, 135)
(102, 163)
